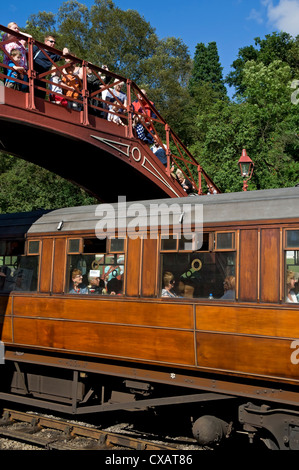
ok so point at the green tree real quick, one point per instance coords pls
(207, 69)
(165, 76)
(102, 34)
(25, 187)
(265, 123)
(275, 46)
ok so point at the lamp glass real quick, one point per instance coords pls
(245, 167)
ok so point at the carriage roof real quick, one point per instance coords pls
(219, 208)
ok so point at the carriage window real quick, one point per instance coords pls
(117, 245)
(292, 266)
(292, 277)
(169, 243)
(94, 245)
(292, 238)
(33, 247)
(95, 271)
(17, 271)
(202, 274)
(74, 245)
(225, 241)
(25, 277)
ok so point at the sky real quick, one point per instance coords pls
(232, 24)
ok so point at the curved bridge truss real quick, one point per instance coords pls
(102, 157)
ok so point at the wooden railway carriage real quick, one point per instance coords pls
(125, 346)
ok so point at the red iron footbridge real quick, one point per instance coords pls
(104, 158)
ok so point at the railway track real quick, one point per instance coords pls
(52, 433)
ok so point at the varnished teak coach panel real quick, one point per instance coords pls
(132, 342)
(248, 320)
(86, 309)
(259, 356)
(270, 265)
(248, 277)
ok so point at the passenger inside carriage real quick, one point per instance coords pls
(229, 285)
(96, 285)
(77, 287)
(101, 265)
(292, 266)
(114, 286)
(207, 273)
(291, 283)
(168, 282)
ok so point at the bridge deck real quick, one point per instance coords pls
(104, 158)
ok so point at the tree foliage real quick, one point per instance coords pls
(26, 187)
(265, 122)
(207, 69)
(275, 46)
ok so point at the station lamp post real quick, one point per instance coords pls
(246, 167)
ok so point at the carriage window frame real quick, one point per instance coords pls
(178, 249)
(33, 253)
(287, 250)
(216, 242)
(173, 236)
(71, 252)
(118, 261)
(286, 246)
(109, 248)
(212, 242)
(209, 248)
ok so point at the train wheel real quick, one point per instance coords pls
(210, 431)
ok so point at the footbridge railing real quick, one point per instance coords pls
(92, 93)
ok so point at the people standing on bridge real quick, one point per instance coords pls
(141, 106)
(11, 43)
(117, 96)
(56, 96)
(139, 129)
(184, 182)
(113, 117)
(43, 64)
(74, 85)
(17, 72)
(106, 79)
(159, 151)
(95, 84)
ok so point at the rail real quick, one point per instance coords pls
(94, 102)
(60, 434)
